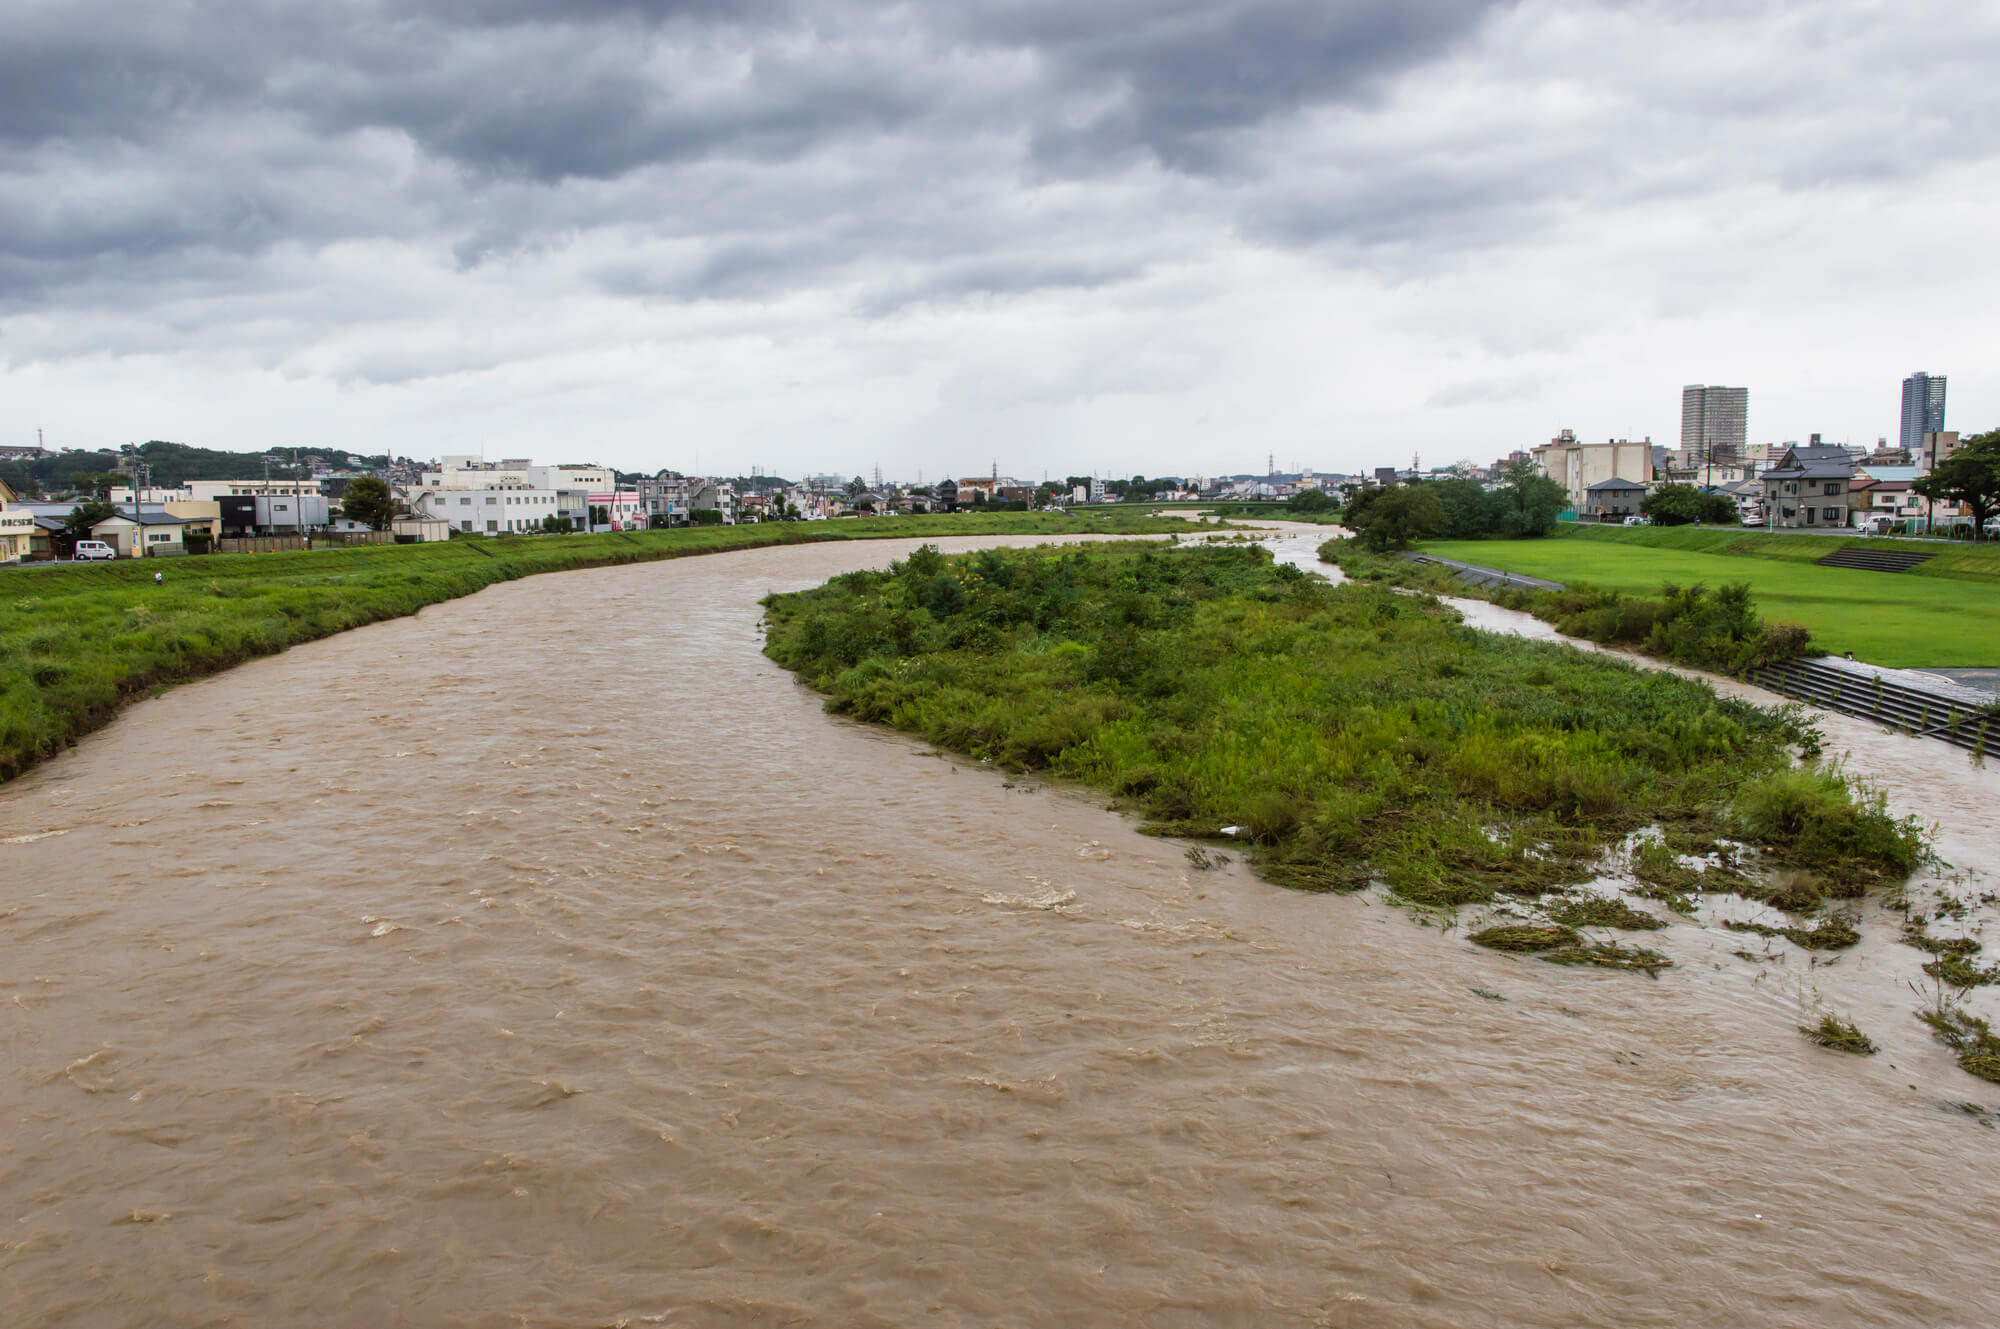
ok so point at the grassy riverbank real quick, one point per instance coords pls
(1943, 613)
(78, 642)
(1349, 733)
(1714, 628)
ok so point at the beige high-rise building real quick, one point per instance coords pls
(1714, 421)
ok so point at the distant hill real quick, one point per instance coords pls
(173, 464)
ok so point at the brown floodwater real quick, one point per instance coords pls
(551, 958)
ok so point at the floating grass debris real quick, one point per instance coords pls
(1525, 937)
(1840, 1035)
(1599, 912)
(1611, 955)
(1829, 934)
(1968, 1036)
(1959, 971)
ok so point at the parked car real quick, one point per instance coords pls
(90, 550)
(1638, 521)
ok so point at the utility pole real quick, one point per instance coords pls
(141, 472)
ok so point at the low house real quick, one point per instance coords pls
(1612, 500)
(1748, 495)
(150, 535)
(1808, 487)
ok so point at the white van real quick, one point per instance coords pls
(87, 550)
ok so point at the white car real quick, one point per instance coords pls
(89, 550)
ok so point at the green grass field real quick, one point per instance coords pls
(1947, 613)
(79, 641)
(1960, 560)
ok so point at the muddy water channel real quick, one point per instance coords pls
(550, 958)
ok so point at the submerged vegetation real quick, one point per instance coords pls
(1345, 735)
(78, 642)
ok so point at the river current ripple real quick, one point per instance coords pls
(551, 958)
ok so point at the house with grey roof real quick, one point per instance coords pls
(1809, 487)
(1612, 500)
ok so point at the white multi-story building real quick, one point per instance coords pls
(208, 491)
(494, 511)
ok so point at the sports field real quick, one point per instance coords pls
(1903, 620)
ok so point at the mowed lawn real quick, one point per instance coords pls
(1885, 618)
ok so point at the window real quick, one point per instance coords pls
(466, 501)
(465, 525)
(492, 526)
(1833, 515)
(490, 501)
(1832, 487)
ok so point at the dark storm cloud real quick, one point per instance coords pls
(788, 143)
(133, 130)
(1188, 72)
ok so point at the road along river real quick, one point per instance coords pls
(550, 958)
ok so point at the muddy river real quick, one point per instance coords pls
(551, 959)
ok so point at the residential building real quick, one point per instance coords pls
(1809, 487)
(1612, 500)
(1748, 495)
(1714, 421)
(1934, 447)
(1923, 408)
(663, 497)
(17, 527)
(1880, 491)
(488, 511)
(1577, 466)
(707, 495)
(154, 533)
(271, 514)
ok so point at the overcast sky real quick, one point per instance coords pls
(1056, 235)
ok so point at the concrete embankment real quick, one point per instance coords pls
(1915, 702)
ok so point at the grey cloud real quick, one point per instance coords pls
(1193, 71)
(753, 134)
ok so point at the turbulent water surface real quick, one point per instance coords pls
(550, 958)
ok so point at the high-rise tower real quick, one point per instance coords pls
(1923, 409)
(1714, 422)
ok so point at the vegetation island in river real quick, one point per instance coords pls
(1352, 735)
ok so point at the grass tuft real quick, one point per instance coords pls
(1840, 1035)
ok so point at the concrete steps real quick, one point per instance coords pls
(1896, 698)
(1874, 560)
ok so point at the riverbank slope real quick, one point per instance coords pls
(77, 643)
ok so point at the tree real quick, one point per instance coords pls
(1311, 500)
(856, 487)
(83, 516)
(1398, 516)
(1673, 505)
(1970, 475)
(1719, 509)
(369, 501)
(1533, 501)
